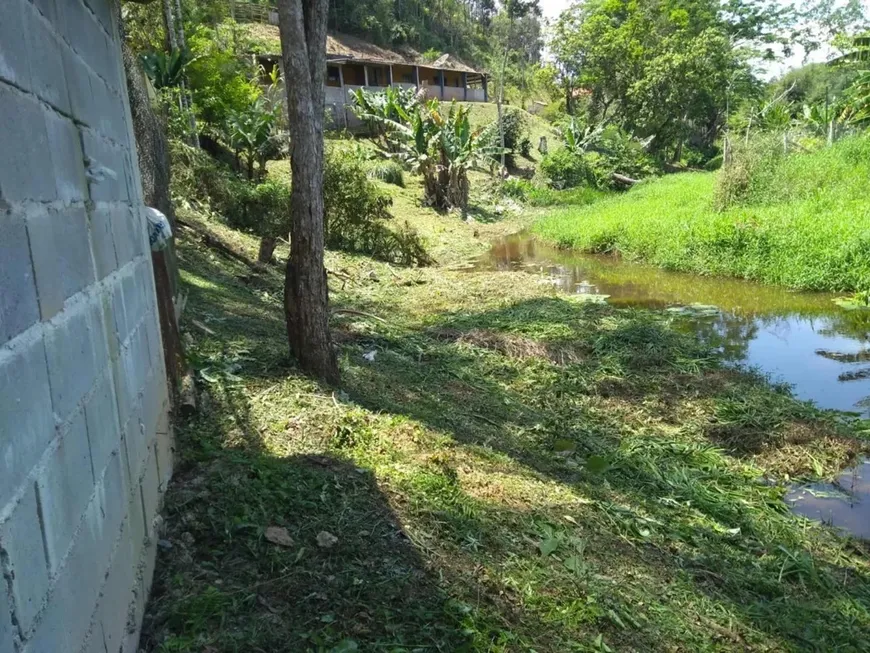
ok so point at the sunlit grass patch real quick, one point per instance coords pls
(805, 225)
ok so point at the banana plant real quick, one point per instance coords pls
(254, 135)
(461, 149)
(378, 108)
(578, 140)
(440, 145)
(858, 100)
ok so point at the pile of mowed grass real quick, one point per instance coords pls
(804, 222)
(503, 469)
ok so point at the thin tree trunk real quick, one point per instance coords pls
(181, 42)
(500, 102)
(188, 102)
(306, 295)
(169, 25)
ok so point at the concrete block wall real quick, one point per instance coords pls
(85, 442)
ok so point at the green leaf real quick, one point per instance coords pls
(597, 464)
(574, 563)
(564, 445)
(614, 617)
(549, 546)
(345, 646)
(206, 374)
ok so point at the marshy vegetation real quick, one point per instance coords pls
(799, 220)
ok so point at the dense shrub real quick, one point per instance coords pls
(221, 80)
(593, 154)
(357, 213)
(714, 164)
(389, 172)
(694, 157)
(517, 189)
(564, 169)
(625, 153)
(555, 111)
(262, 208)
(198, 179)
(516, 135)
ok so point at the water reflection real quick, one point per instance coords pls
(802, 339)
(844, 503)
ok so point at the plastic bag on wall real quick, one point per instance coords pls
(159, 231)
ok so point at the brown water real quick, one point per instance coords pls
(799, 338)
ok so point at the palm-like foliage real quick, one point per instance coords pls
(858, 103)
(253, 134)
(375, 109)
(166, 69)
(578, 138)
(439, 145)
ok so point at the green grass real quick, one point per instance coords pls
(485, 113)
(533, 195)
(805, 224)
(514, 470)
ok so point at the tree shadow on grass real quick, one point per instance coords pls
(341, 573)
(553, 385)
(676, 537)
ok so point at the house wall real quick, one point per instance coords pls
(378, 75)
(403, 75)
(452, 78)
(453, 93)
(85, 443)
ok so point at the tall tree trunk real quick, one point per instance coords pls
(500, 102)
(306, 295)
(169, 25)
(185, 94)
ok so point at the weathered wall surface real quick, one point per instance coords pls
(85, 446)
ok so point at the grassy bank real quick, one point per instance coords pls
(503, 469)
(805, 223)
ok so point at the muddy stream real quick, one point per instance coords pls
(802, 339)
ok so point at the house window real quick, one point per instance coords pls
(332, 76)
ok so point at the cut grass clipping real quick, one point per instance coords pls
(504, 469)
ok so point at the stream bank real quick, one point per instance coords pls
(803, 340)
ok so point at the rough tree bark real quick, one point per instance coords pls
(302, 25)
(267, 250)
(169, 25)
(500, 103)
